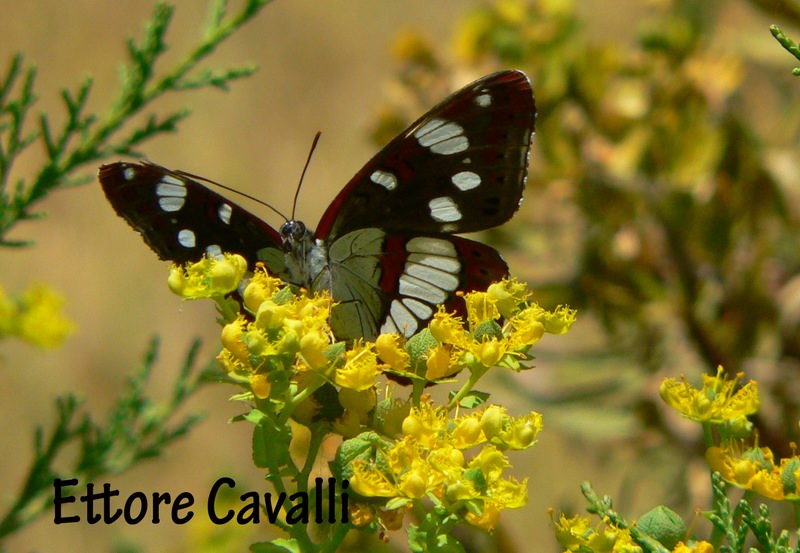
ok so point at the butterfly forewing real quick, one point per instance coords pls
(459, 168)
(179, 218)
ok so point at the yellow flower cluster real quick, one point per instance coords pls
(210, 277)
(429, 461)
(282, 333)
(35, 316)
(448, 346)
(717, 402)
(720, 403)
(755, 469)
(577, 534)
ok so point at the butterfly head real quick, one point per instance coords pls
(293, 233)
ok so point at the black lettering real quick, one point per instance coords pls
(251, 512)
(59, 499)
(184, 500)
(272, 513)
(142, 509)
(318, 499)
(158, 499)
(90, 497)
(299, 512)
(212, 497)
(345, 508)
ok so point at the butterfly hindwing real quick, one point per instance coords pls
(179, 218)
(394, 283)
(461, 167)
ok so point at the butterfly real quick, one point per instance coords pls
(385, 247)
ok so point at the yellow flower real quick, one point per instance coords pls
(439, 363)
(424, 424)
(491, 462)
(489, 352)
(368, 481)
(208, 278)
(360, 368)
(487, 519)
(360, 402)
(260, 385)
(517, 433)
(448, 329)
(467, 432)
(571, 533)
(260, 288)
(526, 328)
(480, 307)
(717, 402)
(391, 352)
(35, 316)
(232, 339)
(40, 320)
(507, 295)
(313, 346)
(695, 547)
(753, 469)
(559, 321)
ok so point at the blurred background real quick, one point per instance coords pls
(663, 203)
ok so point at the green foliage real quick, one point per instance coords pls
(87, 138)
(734, 530)
(654, 202)
(137, 428)
(788, 44)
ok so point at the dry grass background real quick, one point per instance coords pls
(324, 66)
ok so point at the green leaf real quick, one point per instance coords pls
(270, 442)
(280, 545)
(472, 399)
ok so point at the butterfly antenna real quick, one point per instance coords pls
(308, 161)
(234, 191)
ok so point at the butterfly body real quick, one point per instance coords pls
(385, 247)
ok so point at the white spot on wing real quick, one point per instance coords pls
(448, 264)
(466, 180)
(419, 309)
(186, 238)
(214, 251)
(224, 213)
(166, 189)
(388, 327)
(435, 246)
(444, 210)
(403, 318)
(483, 100)
(129, 173)
(442, 137)
(385, 179)
(440, 279)
(171, 194)
(416, 288)
(170, 203)
(169, 179)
